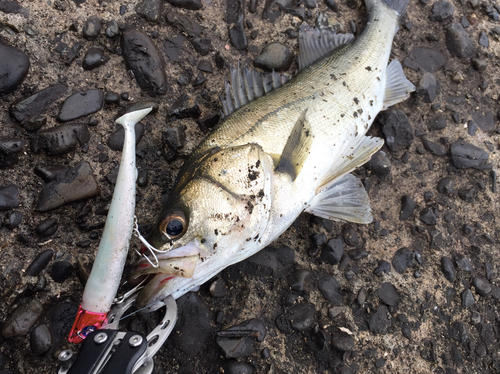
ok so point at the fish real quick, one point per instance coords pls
(283, 148)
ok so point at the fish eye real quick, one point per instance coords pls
(174, 225)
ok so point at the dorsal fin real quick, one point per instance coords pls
(316, 43)
(247, 85)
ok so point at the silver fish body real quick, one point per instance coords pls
(284, 153)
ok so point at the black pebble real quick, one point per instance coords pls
(61, 270)
(39, 263)
(465, 155)
(446, 186)
(94, 58)
(40, 340)
(379, 163)
(397, 130)
(448, 269)
(112, 29)
(35, 123)
(275, 56)
(123, 10)
(236, 367)
(388, 294)
(13, 69)
(458, 41)
(442, 10)
(383, 267)
(427, 88)
(184, 107)
(92, 28)
(116, 139)
(483, 39)
(482, 286)
(342, 342)
(433, 148)
(467, 299)
(111, 97)
(150, 10)
(143, 178)
(8, 197)
(332, 252)
(330, 289)
(428, 216)
(407, 207)
(187, 4)
(300, 278)
(47, 227)
(60, 139)
(332, 5)
(350, 236)
(437, 123)
(81, 104)
(402, 260)
(379, 322)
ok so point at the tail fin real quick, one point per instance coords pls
(397, 5)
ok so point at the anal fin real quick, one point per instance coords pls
(297, 148)
(344, 200)
(397, 86)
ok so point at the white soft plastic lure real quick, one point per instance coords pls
(109, 262)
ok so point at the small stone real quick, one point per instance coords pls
(111, 97)
(458, 41)
(299, 279)
(350, 236)
(446, 186)
(428, 216)
(357, 254)
(81, 104)
(442, 10)
(388, 294)
(482, 286)
(92, 28)
(397, 130)
(205, 66)
(407, 207)
(402, 260)
(37, 103)
(437, 123)
(236, 367)
(427, 59)
(150, 10)
(467, 299)
(22, 319)
(39, 263)
(11, 7)
(379, 163)
(242, 346)
(406, 331)
(60, 271)
(13, 220)
(112, 29)
(9, 150)
(433, 148)
(117, 139)
(60, 139)
(301, 316)
(483, 39)
(184, 107)
(14, 67)
(47, 227)
(275, 56)
(35, 123)
(183, 23)
(383, 267)
(8, 197)
(40, 340)
(332, 252)
(187, 4)
(448, 269)
(342, 342)
(94, 58)
(465, 155)
(330, 289)
(380, 321)
(479, 64)
(427, 88)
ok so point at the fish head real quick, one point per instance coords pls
(215, 215)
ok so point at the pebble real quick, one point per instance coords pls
(173, 47)
(193, 325)
(467, 194)
(388, 294)
(441, 11)
(467, 299)
(437, 123)
(205, 66)
(116, 139)
(379, 322)
(427, 59)
(427, 88)
(40, 340)
(14, 67)
(81, 104)
(406, 331)
(73, 53)
(112, 29)
(35, 123)
(479, 64)
(300, 278)
(61, 270)
(482, 286)
(301, 316)
(37, 103)
(22, 319)
(150, 10)
(407, 207)
(465, 155)
(458, 332)
(397, 130)
(275, 56)
(184, 107)
(111, 97)
(358, 254)
(332, 252)
(13, 220)
(379, 163)
(448, 269)
(330, 289)
(350, 236)
(50, 172)
(383, 267)
(47, 227)
(174, 138)
(270, 261)
(39, 263)
(433, 148)
(238, 37)
(242, 346)
(8, 197)
(187, 4)
(9, 150)
(458, 41)
(237, 367)
(92, 28)
(202, 45)
(94, 58)
(146, 62)
(483, 39)
(464, 264)
(183, 23)
(75, 184)
(318, 240)
(12, 7)
(402, 260)
(485, 121)
(60, 139)
(342, 342)
(446, 186)
(428, 216)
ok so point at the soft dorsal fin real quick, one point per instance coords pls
(247, 85)
(316, 43)
(397, 86)
(297, 148)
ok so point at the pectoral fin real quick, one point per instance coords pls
(297, 148)
(344, 200)
(397, 86)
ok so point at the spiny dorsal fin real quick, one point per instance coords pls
(316, 43)
(397, 86)
(297, 148)
(247, 85)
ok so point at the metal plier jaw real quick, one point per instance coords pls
(109, 351)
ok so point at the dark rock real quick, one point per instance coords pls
(442, 10)
(448, 269)
(433, 148)
(465, 155)
(383, 267)
(184, 107)
(174, 138)
(479, 64)
(47, 227)
(407, 207)
(350, 236)
(402, 260)
(23, 318)
(482, 286)
(332, 5)
(60, 139)
(183, 23)
(467, 194)
(13, 219)
(332, 252)
(427, 88)
(318, 240)
(35, 123)
(72, 185)
(112, 29)
(208, 122)
(150, 10)
(275, 56)
(187, 4)
(8, 197)
(60, 271)
(236, 367)
(50, 172)
(40, 340)
(483, 39)
(173, 47)
(446, 186)
(357, 254)
(380, 321)
(330, 289)
(301, 316)
(37, 103)
(458, 41)
(238, 37)
(81, 104)
(241, 346)
(464, 264)
(486, 121)
(73, 53)
(299, 279)
(388, 294)
(427, 59)
(61, 319)
(111, 97)
(428, 216)
(379, 163)
(397, 130)
(116, 139)
(342, 342)
(14, 67)
(92, 28)
(145, 61)
(123, 10)
(9, 149)
(458, 332)
(467, 299)
(437, 123)
(39, 263)
(12, 7)
(94, 58)
(205, 66)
